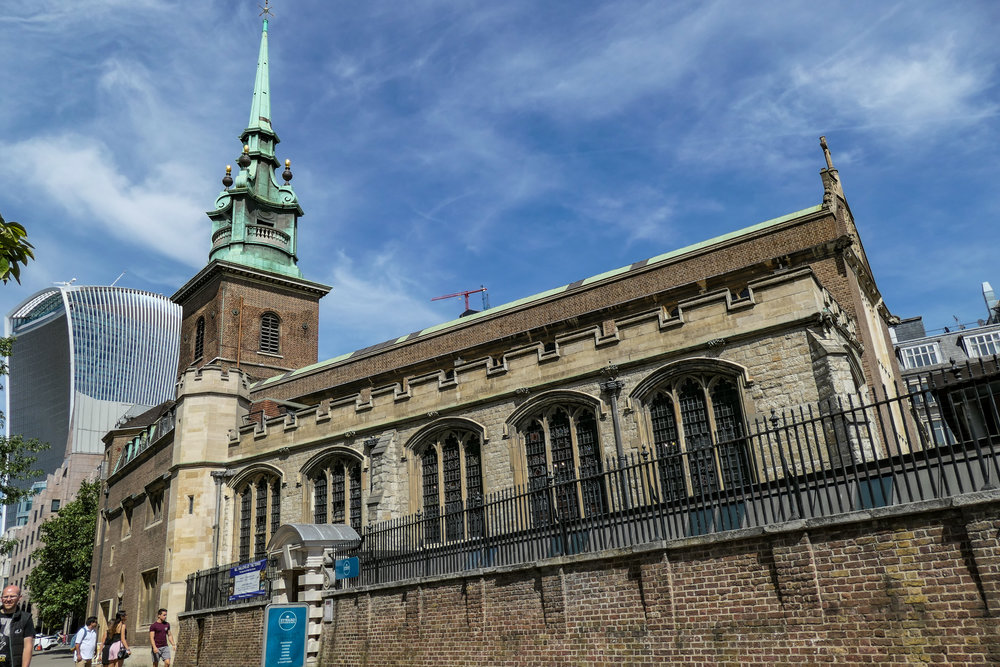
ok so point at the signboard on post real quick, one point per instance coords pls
(285, 635)
(248, 580)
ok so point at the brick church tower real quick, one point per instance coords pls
(250, 308)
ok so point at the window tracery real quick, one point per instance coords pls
(259, 513)
(336, 491)
(697, 427)
(563, 439)
(451, 480)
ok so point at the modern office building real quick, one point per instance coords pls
(85, 357)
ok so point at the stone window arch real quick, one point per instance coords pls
(694, 417)
(270, 333)
(562, 455)
(199, 338)
(335, 488)
(258, 511)
(449, 469)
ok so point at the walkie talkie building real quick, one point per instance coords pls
(84, 357)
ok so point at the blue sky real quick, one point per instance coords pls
(440, 146)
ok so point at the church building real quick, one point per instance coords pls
(666, 355)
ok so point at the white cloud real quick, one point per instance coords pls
(374, 300)
(159, 210)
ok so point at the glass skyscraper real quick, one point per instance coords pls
(86, 356)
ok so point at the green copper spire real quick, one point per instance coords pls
(260, 110)
(255, 220)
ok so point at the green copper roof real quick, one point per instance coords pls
(260, 110)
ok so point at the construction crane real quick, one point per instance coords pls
(466, 293)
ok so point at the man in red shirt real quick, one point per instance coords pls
(159, 634)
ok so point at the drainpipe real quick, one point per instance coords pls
(104, 538)
(613, 387)
(219, 476)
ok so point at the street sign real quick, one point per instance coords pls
(285, 635)
(348, 568)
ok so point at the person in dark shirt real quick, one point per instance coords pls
(17, 632)
(159, 634)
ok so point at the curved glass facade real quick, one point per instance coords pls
(85, 357)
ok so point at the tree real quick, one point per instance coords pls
(61, 576)
(15, 251)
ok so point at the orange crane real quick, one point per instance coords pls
(466, 293)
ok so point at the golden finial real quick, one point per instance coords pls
(288, 163)
(246, 148)
(227, 180)
(287, 173)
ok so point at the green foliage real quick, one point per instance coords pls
(15, 251)
(17, 454)
(59, 581)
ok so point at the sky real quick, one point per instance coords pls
(439, 146)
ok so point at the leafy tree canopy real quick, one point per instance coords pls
(15, 251)
(59, 581)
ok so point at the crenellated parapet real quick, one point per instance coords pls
(709, 325)
(211, 379)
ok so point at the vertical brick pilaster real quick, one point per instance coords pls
(797, 579)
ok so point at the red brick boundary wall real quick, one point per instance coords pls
(231, 637)
(912, 584)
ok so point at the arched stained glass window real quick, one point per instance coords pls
(336, 485)
(451, 484)
(562, 440)
(259, 513)
(696, 421)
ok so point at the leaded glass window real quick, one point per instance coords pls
(319, 497)
(245, 519)
(451, 484)
(336, 491)
(697, 427)
(561, 445)
(259, 514)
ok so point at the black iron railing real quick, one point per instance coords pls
(212, 588)
(936, 438)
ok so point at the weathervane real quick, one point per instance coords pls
(265, 10)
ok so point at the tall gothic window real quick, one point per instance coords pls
(451, 477)
(697, 427)
(270, 327)
(561, 441)
(336, 492)
(259, 514)
(199, 338)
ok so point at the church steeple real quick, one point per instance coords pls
(255, 221)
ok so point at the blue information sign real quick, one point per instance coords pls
(285, 635)
(248, 580)
(348, 568)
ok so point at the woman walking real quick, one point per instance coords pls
(115, 647)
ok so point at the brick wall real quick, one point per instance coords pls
(227, 638)
(903, 587)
